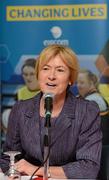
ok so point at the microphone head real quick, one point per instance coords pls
(48, 102)
(48, 95)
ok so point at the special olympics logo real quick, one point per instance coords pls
(56, 32)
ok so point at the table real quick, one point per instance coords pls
(28, 177)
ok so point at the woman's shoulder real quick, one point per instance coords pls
(98, 98)
(83, 108)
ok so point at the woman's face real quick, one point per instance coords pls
(83, 84)
(54, 77)
(30, 78)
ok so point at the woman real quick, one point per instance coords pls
(75, 146)
(87, 83)
(31, 87)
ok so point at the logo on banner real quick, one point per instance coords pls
(56, 32)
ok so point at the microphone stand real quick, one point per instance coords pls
(46, 145)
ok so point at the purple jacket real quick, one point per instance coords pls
(76, 138)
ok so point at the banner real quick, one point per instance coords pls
(29, 26)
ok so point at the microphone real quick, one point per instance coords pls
(48, 106)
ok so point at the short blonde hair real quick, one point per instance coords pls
(67, 55)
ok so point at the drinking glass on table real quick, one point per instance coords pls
(12, 173)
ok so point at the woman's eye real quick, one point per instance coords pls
(45, 68)
(61, 70)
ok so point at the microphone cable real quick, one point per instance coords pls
(41, 164)
(51, 145)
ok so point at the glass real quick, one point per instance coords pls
(12, 173)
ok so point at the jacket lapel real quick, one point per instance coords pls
(65, 119)
(32, 115)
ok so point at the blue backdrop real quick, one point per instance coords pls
(28, 26)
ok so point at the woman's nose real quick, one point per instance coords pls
(52, 75)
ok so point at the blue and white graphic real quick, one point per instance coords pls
(56, 32)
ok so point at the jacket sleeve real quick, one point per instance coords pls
(89, 145)
(12, 138)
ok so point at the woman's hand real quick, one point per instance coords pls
(25, 167)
